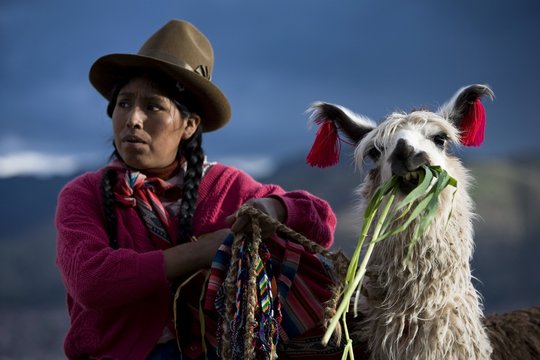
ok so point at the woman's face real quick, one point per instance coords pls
(148, 127)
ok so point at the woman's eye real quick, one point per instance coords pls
(154, 107)
(122, 104)
(440, 140)
(374, 153)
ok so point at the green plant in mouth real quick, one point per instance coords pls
(421, 203)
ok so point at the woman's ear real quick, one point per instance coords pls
(190, 126)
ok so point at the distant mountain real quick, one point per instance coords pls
(26, 201)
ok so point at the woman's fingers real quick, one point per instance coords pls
(270, 206)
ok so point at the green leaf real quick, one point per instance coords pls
(378, 196)
(430, 211)
(415, 213)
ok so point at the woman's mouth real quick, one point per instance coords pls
(132, 139)
(134, 143)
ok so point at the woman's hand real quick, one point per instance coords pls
(209, 244)
(271, 206)
(192, 256)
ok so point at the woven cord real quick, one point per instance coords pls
(249, 241)
(251, 324)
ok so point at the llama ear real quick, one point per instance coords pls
(334, 120)
(466, 112)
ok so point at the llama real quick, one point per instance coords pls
(425, 308)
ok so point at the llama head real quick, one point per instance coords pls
(403, 142)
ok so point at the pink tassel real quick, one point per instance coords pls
(473, 125)
(325, 149)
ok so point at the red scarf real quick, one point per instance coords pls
(135, 189)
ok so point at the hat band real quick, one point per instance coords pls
(201, 70)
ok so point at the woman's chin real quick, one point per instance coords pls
(136, 162)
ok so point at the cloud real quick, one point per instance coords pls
(256, 166)
(40, 164)
(32, 163)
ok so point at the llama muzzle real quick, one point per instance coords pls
(405, 163)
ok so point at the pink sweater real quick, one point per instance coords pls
(119, 301)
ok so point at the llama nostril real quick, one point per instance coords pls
(416, 161)
(399, 158)
(404, 159)
(402, 150)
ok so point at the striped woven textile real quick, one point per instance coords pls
(303, 283)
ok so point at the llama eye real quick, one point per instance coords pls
(440, 140)
(374, 154)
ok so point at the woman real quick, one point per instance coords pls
(159, 211)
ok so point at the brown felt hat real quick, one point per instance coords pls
(180, 51)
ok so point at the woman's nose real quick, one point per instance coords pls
(135, 118)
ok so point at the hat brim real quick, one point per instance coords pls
(108, 70)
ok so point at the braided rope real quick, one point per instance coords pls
(230, 296)
(249, 350)
(251, 238)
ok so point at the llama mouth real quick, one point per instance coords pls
(409, 181)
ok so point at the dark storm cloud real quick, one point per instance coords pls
(272, 61)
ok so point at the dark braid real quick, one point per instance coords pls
(107, 183)
(191, 150)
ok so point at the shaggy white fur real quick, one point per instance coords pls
(426, 308)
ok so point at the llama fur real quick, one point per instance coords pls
(430, 299)
(426, 307)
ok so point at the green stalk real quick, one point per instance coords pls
(369, 215)
(348, 348)
(363, 235)
(359, 274)
(374, 240)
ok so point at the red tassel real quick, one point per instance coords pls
(325, 149)
(473, 125)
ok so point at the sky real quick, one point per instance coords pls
(272, 60)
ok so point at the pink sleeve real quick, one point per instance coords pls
(306, 213)
(94, 274)
(310, 216)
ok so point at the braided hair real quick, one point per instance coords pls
(107, 184)
(191, 150)
(193, 153)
